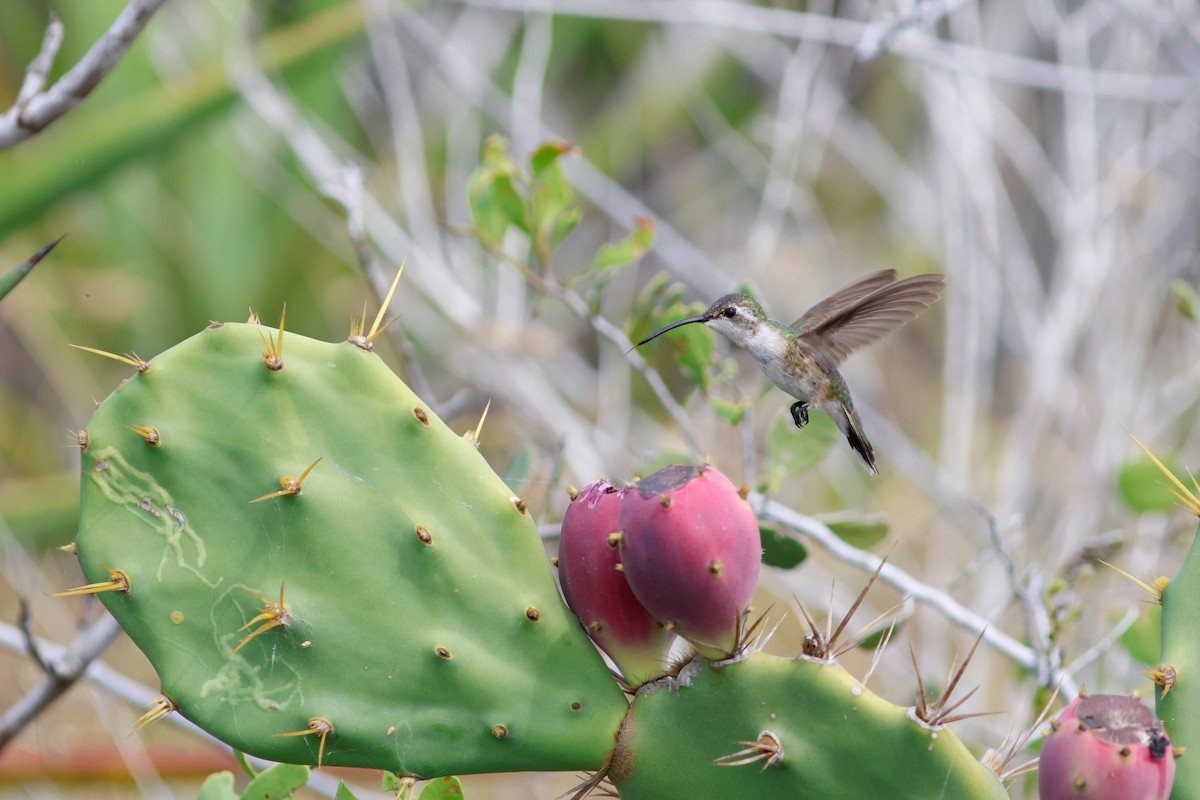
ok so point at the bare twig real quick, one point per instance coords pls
(35, 109)
(917, 46)
(62, 671)
(1030, 597)
(25, 623)
(878, 37)
(39, 68)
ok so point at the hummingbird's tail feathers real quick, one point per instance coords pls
(873, 316)
(860, 445)
(851, 426)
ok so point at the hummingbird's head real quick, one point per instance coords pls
(737, 316)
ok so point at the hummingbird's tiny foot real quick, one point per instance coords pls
(799, 411)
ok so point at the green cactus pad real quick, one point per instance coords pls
(1179, 708)
(419, 619)
(837, 738)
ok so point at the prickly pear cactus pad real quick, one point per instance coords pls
(776, 727)
(321, 571)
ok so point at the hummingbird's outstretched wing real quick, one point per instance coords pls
(872, 316)
(843, 298)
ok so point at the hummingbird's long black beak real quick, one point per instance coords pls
(673, 326)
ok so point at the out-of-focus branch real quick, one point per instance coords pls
(35, 109)
(916, 46)
(62, 671)
(39, 68)
(878, 37)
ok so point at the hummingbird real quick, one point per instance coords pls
(802, 358)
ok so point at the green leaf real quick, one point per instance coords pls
(871, 641)
(276, 783)
(447, 788)
(565, 223)
(492, 194)
(658, 293)
(780, 550)
(10, 279)
(791, 451)
(343, 792)
(619, 254)
(728, 411)
(218, 786)
(693, 347)
(863, 534)
(1143, 639)
(1185, 299)
(548, 154)
(400, 785)
(1141, 485)
(244, 763)
(553, 212)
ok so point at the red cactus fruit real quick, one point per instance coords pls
(596, 589)
(691, 550)
(1106, 747)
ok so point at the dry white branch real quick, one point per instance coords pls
(849, 33)
(951, 609)
(62, 667)
(35, 109)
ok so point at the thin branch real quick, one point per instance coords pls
(917, 46)
(43, 62)
(879, 36)
(35, 110)
(950, 608)
(1030, 597)
(62, 671)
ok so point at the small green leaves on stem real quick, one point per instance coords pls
(615, 255)
(492, 194)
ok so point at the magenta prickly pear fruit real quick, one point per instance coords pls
(596, 590)
(691, 549)
(1106, 747)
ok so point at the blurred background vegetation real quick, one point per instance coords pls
(1041, 154)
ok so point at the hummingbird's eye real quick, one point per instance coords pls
(731, 312)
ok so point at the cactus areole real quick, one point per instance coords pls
(1106, 747)
(691, 551)
(596, 590)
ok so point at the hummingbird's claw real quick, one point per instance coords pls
(799, 411)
